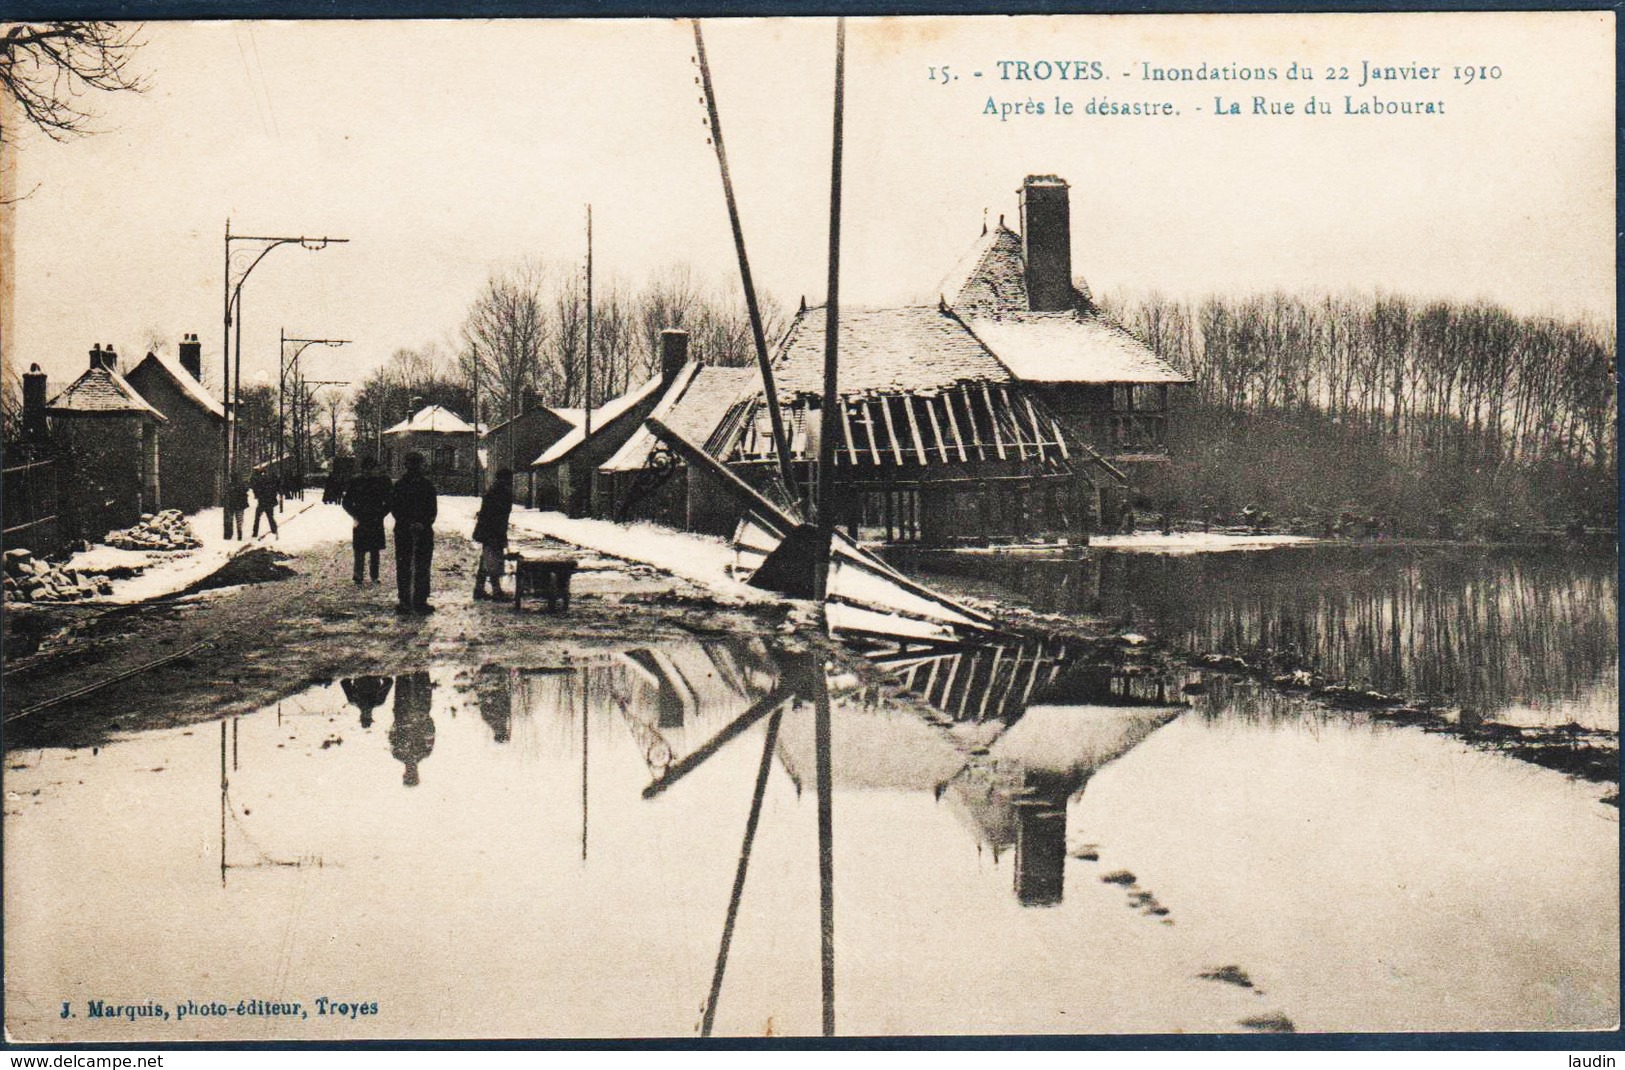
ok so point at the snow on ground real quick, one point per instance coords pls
(302, 525)
(701, 559)
(1194, 542)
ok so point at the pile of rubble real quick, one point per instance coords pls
(28, 579)
(167, 530)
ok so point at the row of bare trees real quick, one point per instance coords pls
(523, 341)
(1468, 392)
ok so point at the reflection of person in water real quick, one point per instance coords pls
(366, 693)
(496, 701)
(411, 737)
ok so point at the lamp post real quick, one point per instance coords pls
(230, 386)
(308, 388)
(284, 363)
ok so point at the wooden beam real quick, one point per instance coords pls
(1060, 438)
(970, 416)
(846, 429)
(869, 425)
(936, 426)
(1038, 430)
(993, 420)
(1012, 421)
(891, 428)
(953, 425)
(914, 428)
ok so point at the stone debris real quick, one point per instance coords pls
(167, 530)
(28, 579)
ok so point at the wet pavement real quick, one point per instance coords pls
(540, 836)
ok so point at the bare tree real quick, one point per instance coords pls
(503, 335)
(50, 68)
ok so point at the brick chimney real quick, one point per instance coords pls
(95, 356)
(1046, 228)
(673, 354)
(191, 354)
(34, 403)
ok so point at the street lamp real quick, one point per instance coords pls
(230, 387)
(307, 389)
(284, 362)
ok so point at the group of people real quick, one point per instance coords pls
(268, 494)
(412, 500)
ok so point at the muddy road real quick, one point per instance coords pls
(271, 623)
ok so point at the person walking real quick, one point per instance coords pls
(265, 499)
(414, 504)
(367, 499)
(236, 505)
(491, 532)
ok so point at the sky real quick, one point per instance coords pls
(447, 150)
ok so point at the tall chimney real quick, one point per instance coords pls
(95, 356)
(1047, 243)
(191, 354)
(33, 403)
(673, 354)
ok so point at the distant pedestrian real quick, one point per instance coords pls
(236, 505)
(491, 532)
(415, 506)
(367, 499)
(264, 487)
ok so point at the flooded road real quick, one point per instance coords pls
(1521, 635)
(628, 844)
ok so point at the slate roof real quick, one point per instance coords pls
(101, 390)
(601, 418)
(886, 351)
(435, 418)
(1069, 347)
(184, 382)
(693, 406)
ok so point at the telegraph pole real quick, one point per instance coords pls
(586, 409)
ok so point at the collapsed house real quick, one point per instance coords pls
(1009, 409)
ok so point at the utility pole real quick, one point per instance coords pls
(231, 385)
(828, 428)
(586, 414)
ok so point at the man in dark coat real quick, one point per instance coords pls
(415, 505)
(265, 500)
(491, 532)
(367, 500)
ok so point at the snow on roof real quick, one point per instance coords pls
(184, 382)
(992, 277)
(885, 351)
(1068, 347)
(574, 416)
(102, 390)
(693, 407)
(435, 418)
(601, 418)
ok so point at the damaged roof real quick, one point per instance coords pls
(601, 419)
(1068, 347)
(693, 406)
(886, 351)
(102, 390)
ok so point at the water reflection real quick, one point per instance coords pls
(366, 693)
(867, 839)
(1488, 628)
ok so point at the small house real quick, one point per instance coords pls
(189, 441)
(562, 477)
(448, 443)
(106, 438)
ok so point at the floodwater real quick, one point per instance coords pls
(1523, 636)
(629, 843)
